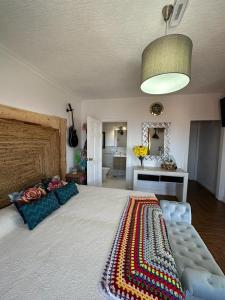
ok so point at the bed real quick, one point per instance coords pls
(64, 256)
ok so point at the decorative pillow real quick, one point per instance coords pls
(40, 185)
(31, 194)
(45, 182)
(37, 211)
(53, 183)
(18, 207)
(27, 196)
(66, 192)
(14, 198)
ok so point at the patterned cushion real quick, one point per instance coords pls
(18, 207)
(27, 196)
(66, 192)
(31, 194)
(45, 182)
(14, 197)
(53, 183)
(40, 185)
(37, 211)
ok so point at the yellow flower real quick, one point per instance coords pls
(140, 151)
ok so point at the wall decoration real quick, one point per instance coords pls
(162, 144)
(169, 164)
(72, 134)
(156, 109)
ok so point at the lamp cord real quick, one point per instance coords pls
(166, 28)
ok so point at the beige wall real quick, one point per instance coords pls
(178, 109)
(23, 87)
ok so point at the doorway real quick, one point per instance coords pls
(203, 154)
(114, 154)
(94, 152)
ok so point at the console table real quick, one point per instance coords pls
(161, 181)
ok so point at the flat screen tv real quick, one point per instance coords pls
(222, 107)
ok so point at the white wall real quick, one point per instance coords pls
(178, 109)
(23, 87)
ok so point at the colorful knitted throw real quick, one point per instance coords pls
(141, 265)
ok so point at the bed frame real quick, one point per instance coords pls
(32, 146)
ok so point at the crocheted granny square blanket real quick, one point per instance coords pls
(140, 265)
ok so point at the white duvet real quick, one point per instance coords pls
(64, 256)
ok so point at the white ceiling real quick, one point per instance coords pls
(94, 47)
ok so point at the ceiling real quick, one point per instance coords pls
(94, 47)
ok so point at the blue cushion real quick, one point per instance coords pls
(37, 211)
(66, 192)
(18, 207)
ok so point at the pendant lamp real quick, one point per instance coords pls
(166, 62)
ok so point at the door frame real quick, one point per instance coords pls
(100, 149)
(220, 181)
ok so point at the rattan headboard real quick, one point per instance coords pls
(29, 152)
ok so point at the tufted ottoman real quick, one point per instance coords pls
(200, 275)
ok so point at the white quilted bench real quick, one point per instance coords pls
(200, 275)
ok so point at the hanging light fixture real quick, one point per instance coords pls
(155, 135)
(166, 62)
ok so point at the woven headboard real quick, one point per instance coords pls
(29, 151)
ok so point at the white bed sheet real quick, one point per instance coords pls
(64, 256)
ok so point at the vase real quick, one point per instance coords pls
(141, 159)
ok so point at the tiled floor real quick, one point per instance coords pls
(115, 182)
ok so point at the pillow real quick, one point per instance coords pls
(27, 196)
(14, 197)
(18, 207)
(53, 183)
(66, 192)
(40, 185)
(37, 211)
(45, 182)
(31, 194)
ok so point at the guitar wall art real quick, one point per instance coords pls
(72, 134)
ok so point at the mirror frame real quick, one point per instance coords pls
(145, 136)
